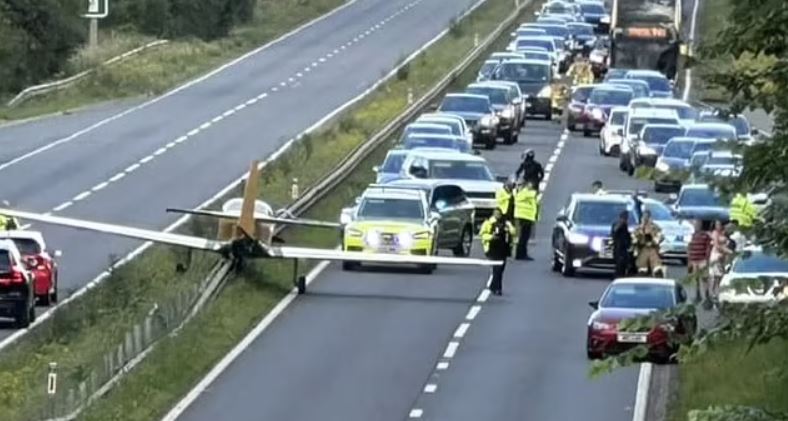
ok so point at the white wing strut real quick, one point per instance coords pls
(323, 254)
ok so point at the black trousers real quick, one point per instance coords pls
(623, 264)
(497, 277)
(524, 226)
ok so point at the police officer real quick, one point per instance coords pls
(504, 198)
(622, 243)
(581, 71)
(648, 236)
(530, 169)
(742, 211)
(7, 223)
(525, 205)
(497, 234)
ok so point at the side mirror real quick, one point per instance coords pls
(517, 101)
(594, 304)
(358, 200)
(435, 216)
(376, 168)
(58, 253)
(434, 107)
(501, 178)
(561, 218)
(672, 198)
(440, 205)
(475, 152)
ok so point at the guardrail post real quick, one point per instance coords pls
(294, 193)
(410, 96)
(52, 387)
(476, 39)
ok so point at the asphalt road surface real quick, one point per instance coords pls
(364, 346)
(182, 149)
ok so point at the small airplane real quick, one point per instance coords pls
(246, 230)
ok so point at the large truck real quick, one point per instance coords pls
(646, 34)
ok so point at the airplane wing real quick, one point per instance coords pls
(326, 254)
(138, 233)
(269, 219)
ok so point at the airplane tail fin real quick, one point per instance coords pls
(246, 222)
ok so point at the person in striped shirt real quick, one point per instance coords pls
(698, 252)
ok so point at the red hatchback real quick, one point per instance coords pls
(575, 109)
(31, 244)
(629, 298)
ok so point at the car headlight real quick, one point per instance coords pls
(507, 113)
(604, 19)
(596, 244)
(577, 238)
(644, 149)
(488, 121)
(372, 238)
(602, 326)
(597, 114)
(667, 327)
(352, 232)
(662, 166)
(422, 235)
(405, 239)
(686, 238)
(345, 218)
(546, 92)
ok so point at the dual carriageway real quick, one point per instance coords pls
(361, 345)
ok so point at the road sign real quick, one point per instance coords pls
(93, 7)
(97, 9)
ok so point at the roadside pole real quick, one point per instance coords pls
(97, 9)
(52, 388)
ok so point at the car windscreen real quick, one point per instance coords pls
(618, 118)
(393, 163)
(661, 135)
(556, 9)
(702, 147)
(684, 112)
(27, 246)
(724, 160)
(755, 262)
(487, 68)
(610, 97)
(659, 212)
(389, 208)
(410, 130)
(537, 55)
(581, 94)
(592, 9)
(640, 296)
(555, 30)
(5, 261)
(497, 96)
(600, 213)
(455, 127)
(579, 29)
(526, 72)
(681, 150)
(460, 170)
(638, 122)
(465, 104)
(530, 42)
(741, 125)
(699, 197)
(615, 73)
(712, 133)
(414, 142)
(640, 89)
(655, 83)
(531, 32)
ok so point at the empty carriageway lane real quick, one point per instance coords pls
(357, 347)
(523, 356)
(129, 170)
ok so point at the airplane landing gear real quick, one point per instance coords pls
(298, 280)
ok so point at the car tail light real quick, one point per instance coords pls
(13, 277)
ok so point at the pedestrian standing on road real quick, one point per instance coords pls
(698, 253)
(525, 205)
(497, 234)
(504, 198)
(596, 188)
(720, 252)
(622, 245)
(530, 170)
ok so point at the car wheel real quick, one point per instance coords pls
(549, 115)
(586, 132)
(349, 266)
(24, 316)
(556, 264)
(45, 299)
(490, 145)
(566, 268)
(463, 249)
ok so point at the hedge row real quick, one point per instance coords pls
(38, 36)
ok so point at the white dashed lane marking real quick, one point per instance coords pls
(473, 312)
(451, 349)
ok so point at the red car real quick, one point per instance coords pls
(575, 110)
(31, 244)
(601, 100)
(629, 298)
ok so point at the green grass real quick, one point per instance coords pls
(713, 16)
(155, 71)
(727, 375)
(97, 324)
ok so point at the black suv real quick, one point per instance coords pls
(581, 235)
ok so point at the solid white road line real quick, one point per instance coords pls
(641, 397)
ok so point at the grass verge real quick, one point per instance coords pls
(156, 71)
(728, 375)
(178, 363)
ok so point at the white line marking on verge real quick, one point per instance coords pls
(131, 168)
(641, 397)
(147, 159)
(451, 349)
(193, 132)
(174, 91)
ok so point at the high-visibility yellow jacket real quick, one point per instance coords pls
(7, 224)
(502, 198)
(525, 204)
(743, 211)
(486, 232)
(581, 73)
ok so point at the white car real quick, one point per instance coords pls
(610, 137)
(457, 123)
(755, 277)
(636, 120)
(686, 112)
(470, 172)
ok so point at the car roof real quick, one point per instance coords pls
(724, 153)
(420, 182)
(434, 136)
(424, 124)
(505, 54)
(663, 126)
(528, 61)
(486, 85)
(537, 38)
(711, 125)
(696, 186)
(653, 112)
(380, 191)
(440, 116)
(608, 87)
(628, 82)
(9, 246)
(693, 139)
(610, 198)
(447, 155)
(467, 95)
(619, 109)
(668, 101)
(643, 72)
(30, 235)
(645, 281)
